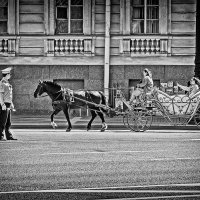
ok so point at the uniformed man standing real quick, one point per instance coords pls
(6, 105)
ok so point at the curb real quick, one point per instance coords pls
(43, 122)
(98, 127)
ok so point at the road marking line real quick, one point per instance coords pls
(119, 189)
(161, 159)
(153, 198)
(145, 186)
(115, 152)
(105, 191)
(194, 139)
(99, 152)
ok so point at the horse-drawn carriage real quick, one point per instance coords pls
(137, 116)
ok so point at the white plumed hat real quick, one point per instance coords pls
(7, 70)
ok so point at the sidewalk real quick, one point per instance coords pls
(43, 122)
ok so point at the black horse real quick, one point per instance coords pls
(64, 99)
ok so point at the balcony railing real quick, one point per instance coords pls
(145, 45)
(7, 46)
(53, 46)
(85, 45)
(69, 46)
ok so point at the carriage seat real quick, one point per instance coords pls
(179, 104)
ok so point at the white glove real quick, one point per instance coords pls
(12, 107)
(3, 107)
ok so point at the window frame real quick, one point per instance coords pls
(145, 20)
(69, 18)
(5, 20)
(164, 17)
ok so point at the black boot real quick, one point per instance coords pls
(9, 135)
(2, 138)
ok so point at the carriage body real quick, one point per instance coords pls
(177, 109)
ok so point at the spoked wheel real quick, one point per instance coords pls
(197, 119)
(139, 120)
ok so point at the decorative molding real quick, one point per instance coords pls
(51, 17)
(99, 60)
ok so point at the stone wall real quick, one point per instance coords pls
(26, 78)
(122, 74)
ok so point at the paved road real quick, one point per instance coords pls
(100, 165)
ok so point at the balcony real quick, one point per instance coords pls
(47, 46)
(70, 46)
(145, 46)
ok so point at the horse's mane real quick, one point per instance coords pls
(52, 84)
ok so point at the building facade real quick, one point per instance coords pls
(94, 44)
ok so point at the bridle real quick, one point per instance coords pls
(40, 87)
(40, 96)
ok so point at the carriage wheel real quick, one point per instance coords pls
(139, 120)
(197, 119)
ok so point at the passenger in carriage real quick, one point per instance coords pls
(192, 88)
(145, 86)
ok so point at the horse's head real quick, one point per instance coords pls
(40, 89)
(51, 88)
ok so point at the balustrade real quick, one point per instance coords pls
(7, 46)
(144, 46)
(67, 46)
(85, 45)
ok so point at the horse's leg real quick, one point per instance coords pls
(104, 125)
(94, 114)
(55, 112)
(66, 112)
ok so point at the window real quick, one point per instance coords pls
(69, 16)
(145, 16)
(3, 16)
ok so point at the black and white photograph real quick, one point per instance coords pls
(99, 100)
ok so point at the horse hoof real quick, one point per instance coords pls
(54, 125)
(103, 129)
(68, 130)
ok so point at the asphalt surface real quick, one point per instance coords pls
(53, 164)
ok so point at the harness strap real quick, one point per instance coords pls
(68, 97)
(63, 91)
(67, 93)
(86, 102)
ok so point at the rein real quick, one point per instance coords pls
(48, 95)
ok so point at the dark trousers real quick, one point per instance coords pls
(5, 121)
